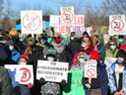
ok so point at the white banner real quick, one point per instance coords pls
(117, 25)
(31, 22)
(52, 71)
(90, 69)
(23, 74)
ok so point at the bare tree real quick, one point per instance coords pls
(114, 6)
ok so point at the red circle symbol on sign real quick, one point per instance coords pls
(26, 75)
(91, 73)
(117, 24)
(31, 23)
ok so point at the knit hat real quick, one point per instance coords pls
(85, 34)
(25, 57)
(121, 53)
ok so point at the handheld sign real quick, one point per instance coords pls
(55, 22)
(23, 74)
(79, 20)
(117, 25)
(90, 69)
(52, 71)
(31, 22)
(67, 15)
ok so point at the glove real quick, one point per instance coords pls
(42, 81)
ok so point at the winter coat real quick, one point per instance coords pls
(102, 79)
(112, 84)
(75, 83)
(5, 82)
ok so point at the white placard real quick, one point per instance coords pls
(117, 25)
(79, 25)
(55, 22)
(67, 16)
(52, 71)
(79, 20)
(90, 69)
(23, 74)
(31, 22)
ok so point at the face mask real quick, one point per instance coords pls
(81, 60)
(72, 38)
(120, 40)
(113, 47)
(120, 60)
(49, 40)
(84, 44)
(59, 49)
(11, 47)
(22, 62)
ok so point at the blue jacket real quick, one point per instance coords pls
(111, 78)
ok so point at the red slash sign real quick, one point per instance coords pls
(91, 73)
(26, 75)
(117, 24)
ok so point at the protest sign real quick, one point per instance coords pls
(23, 74)
(52, 71)
(55, 22)
(79, 25)
(67, 16)
(79, 20)
(31, 22)
(117, 25)
(90, 69)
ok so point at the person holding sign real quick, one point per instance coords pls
(87, 53)
(75, 86)
(49, 87)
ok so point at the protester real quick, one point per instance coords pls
(74, 85)
(99, 45)
(5, 82)
(117, 74)
(51, 88)
(111, 48)
(51, 45)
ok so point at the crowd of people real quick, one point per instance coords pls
(16, 48)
